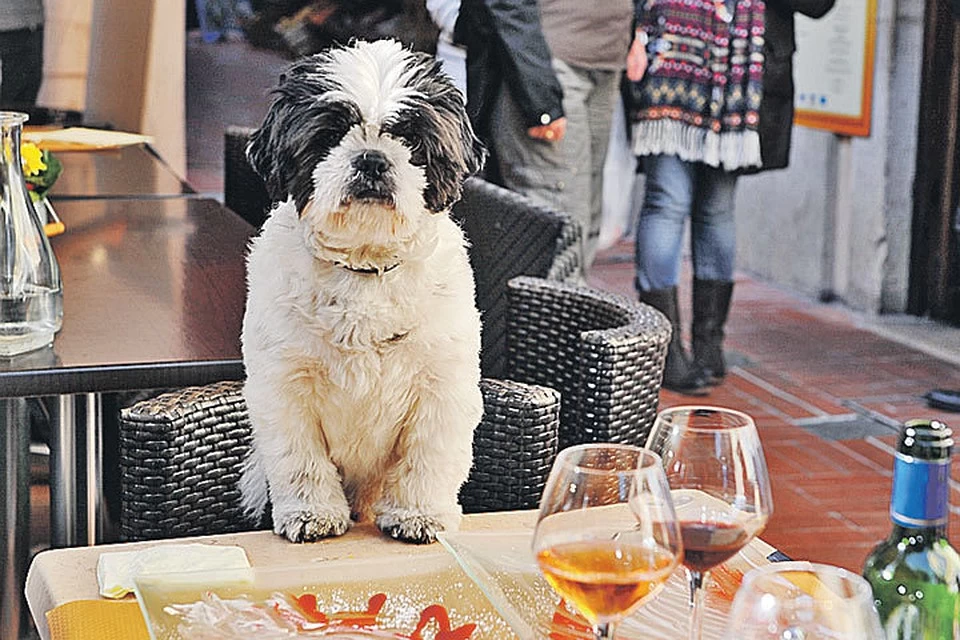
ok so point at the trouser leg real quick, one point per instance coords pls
(667, 203)
(714, 251)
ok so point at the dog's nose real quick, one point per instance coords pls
(371, 163)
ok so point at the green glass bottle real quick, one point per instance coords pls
(915, 572)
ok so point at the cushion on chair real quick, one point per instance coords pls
(603, 352)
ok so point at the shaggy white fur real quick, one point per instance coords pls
(361, 337)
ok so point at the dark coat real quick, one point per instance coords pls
(776, 107)
(505, 44)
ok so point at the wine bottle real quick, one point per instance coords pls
(915, 572)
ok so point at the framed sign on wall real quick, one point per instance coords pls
(833, 68)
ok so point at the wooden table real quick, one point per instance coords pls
(63, 575)
(154, 291)
(131, 171)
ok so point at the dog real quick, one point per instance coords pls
(361, 336)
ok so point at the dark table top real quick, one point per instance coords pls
(154, 293)
(133, 171)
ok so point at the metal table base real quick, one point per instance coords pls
(78, 515)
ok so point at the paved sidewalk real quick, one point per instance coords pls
(827, 394)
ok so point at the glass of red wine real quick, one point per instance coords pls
(607, 538)
(720, 487)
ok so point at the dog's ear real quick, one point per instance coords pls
(454, 152)
(274, 149)
(265, 153)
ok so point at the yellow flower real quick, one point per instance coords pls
(32, 159)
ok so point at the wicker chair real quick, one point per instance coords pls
(181, 452)
(562, 364)
(181, 456)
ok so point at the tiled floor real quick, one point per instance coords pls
(827, 396)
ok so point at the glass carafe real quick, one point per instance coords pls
(31, 294)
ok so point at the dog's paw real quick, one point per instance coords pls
(306, 526)
(410, 526)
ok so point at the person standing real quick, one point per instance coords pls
(512, 92)
(588, 42)
(712, 99)
(21, 52)
(560, 64)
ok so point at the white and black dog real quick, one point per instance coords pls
(361, 337)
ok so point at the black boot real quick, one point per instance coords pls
(679, 372)
(711, 304)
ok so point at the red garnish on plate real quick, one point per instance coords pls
(308, 607)
(361, 619)
(438, 613)
(567, 625)
(307, 604)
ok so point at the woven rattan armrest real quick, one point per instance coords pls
(513, 447)
(180, 459)
(181, 456)
(603, 352)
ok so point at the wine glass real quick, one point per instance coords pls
(720, 487)
(803, 600)
(607, 537)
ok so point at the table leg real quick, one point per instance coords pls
(14, 513)
(64, 508)
(78, 508)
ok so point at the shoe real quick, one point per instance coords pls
(711, 305)
(946, 399)
(680, 374)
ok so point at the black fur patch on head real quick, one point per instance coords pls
(299, 130)
(302, 127)
(435, 127)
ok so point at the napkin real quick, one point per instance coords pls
(97, 620)
(116, 570)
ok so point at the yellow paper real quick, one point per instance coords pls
(82, 138)
(97, 620)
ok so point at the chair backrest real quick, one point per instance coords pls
(603, 353)
(243, 190)
(511, 236)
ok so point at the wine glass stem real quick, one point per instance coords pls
(697, 595)
(604, 631)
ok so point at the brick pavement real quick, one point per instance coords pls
(827, 395)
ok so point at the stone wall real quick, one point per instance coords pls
(837, 222)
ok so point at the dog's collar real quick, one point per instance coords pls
(368, 270)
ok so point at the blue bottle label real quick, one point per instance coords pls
(920, 496)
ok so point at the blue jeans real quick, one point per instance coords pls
(676, 189)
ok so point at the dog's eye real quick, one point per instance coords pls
(406, 131)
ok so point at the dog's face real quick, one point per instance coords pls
(368, 140)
